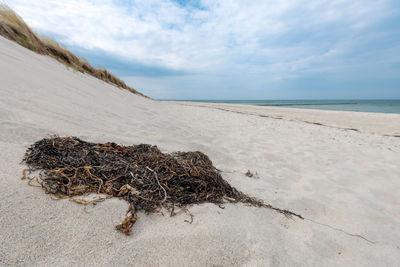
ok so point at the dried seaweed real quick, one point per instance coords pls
(249, 174)
(141, 174)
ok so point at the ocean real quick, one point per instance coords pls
(380, 106)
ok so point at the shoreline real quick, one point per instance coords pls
(387, 124)
(305, 104)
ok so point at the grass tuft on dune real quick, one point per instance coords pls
(14, 28)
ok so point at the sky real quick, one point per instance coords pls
(233, 49)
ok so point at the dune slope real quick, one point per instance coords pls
(345, 183)
(14, 28)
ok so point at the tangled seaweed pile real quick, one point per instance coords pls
(141, 174)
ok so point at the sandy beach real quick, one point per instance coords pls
(339, 170)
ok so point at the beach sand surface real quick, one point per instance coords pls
(339, 170)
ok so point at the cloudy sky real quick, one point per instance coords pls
(233, 49)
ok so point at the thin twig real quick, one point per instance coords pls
(155, 174)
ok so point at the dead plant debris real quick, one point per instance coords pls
(146, 178)
(249, 173)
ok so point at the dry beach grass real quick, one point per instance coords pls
(13, 27)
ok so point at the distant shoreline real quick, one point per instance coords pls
(375, 106)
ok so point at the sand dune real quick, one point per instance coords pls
(344, 182)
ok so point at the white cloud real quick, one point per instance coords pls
(278, 38)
